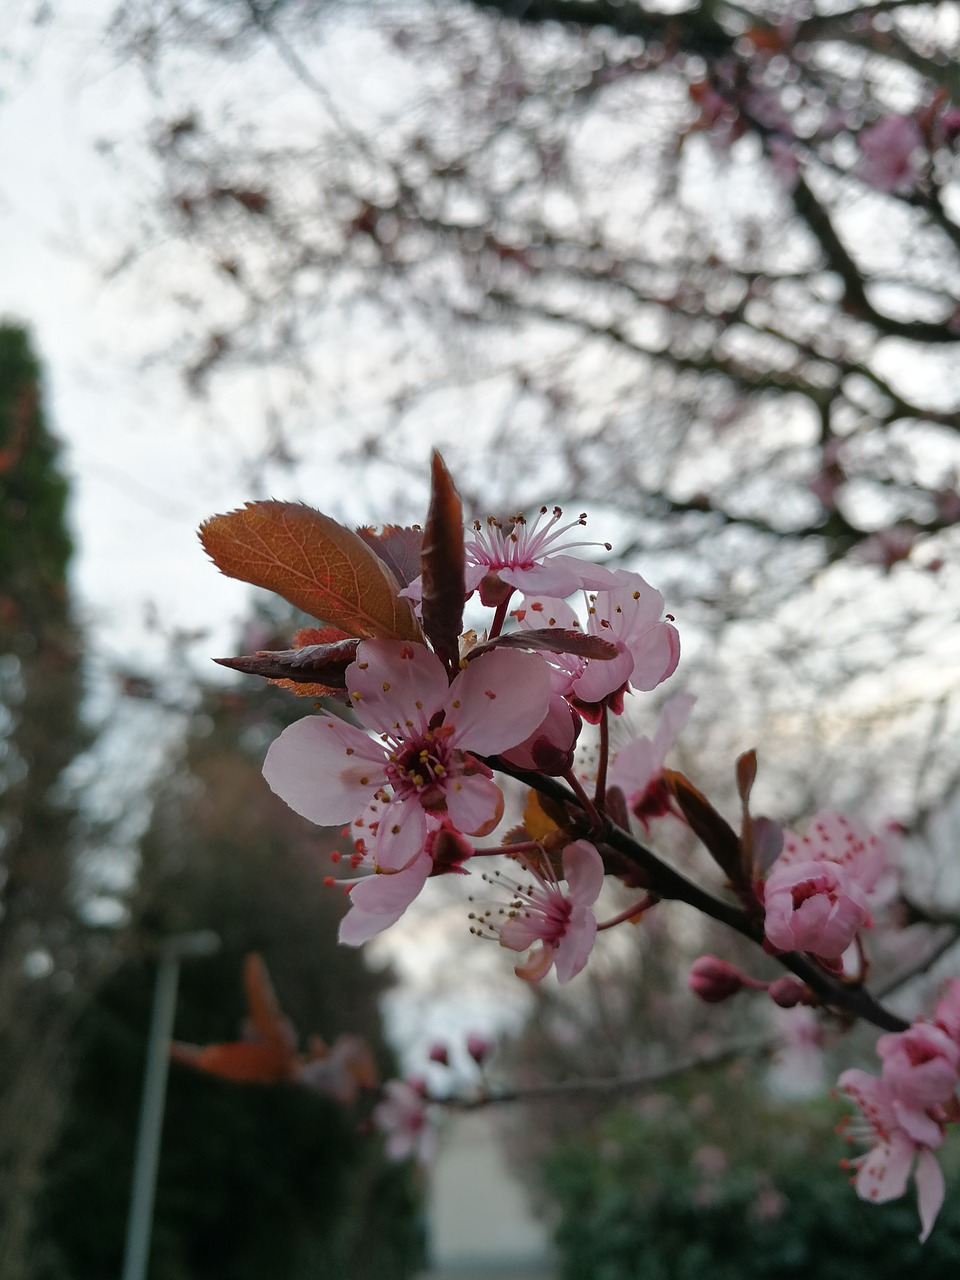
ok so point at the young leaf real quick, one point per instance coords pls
(713, 831)
(442, 566)
(314, 563)
(553, 640)
(322, 664)
(398, 548)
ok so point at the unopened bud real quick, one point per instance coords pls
(714, 980)
(479, 1048)
(438, 1053)
(786, 992)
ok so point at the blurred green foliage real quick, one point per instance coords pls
(254, 1181)
(730, 1185)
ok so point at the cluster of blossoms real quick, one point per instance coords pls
(906, 1109)
(432, 713)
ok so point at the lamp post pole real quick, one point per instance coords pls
(201, 943)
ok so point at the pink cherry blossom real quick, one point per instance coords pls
(815, 897)
(637, 768)
(921, 1066)
(631, 617)
(528, 558)
(561, 922)
(883, 1172)
(892, 155)
(419, 764)
(403, 1117)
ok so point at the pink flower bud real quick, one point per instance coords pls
(479, 1048)
(438, 1053)
(786, 992)
(714, 980)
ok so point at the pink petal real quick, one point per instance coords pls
(930, 1191)
(573, 949)
(537, 964)
(635, 767)
(546, 611)
(521, 931)
(603, 677)
(656, 653)
(557, 576)
(673, 721)
(473, 802)
(919, 1127)
(583, 872)
(324, 769)
(401, 833)
(380, 900)
(883, 1174)
(392, 684)
(498, 700)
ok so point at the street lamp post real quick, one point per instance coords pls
(203, 942)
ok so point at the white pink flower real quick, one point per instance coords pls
(402, 1116)
(816, 896)
(922, 1066)
(420, 763)
(562, 923)
(630, 615)
(637, 768)
(883, 1172)
(527, 557)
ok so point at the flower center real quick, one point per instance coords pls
(422, 767)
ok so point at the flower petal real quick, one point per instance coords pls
(393, 683)
(883, 1174)
(583, 871)
(474, 803)
(573, 949)
(930, 1191)
(324, 769)
(498, 700)
(380, 900)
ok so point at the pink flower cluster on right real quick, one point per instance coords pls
(906, 1109)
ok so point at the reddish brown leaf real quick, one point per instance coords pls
(442, 566)
(553, 640)
(746, 775)
(398, 548)
(268, 1020)
(713, 831)
(244, 1061)
(322, 664)
(314, 563)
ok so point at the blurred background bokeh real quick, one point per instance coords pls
(691, 268)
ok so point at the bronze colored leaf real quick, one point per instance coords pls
(322, 664)
(552, 640)
(713, 831)
(314, 563)
(442, 566)
(746, 775)
(398, 548)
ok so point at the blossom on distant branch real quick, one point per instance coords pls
(891, 155)
(402, 1116)
(637, 768)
